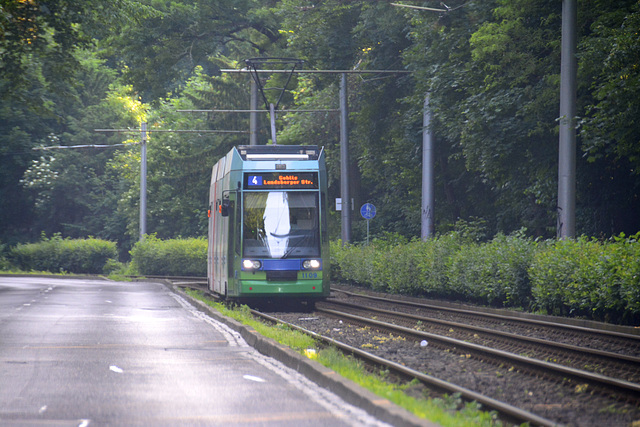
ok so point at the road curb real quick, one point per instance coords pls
(349, 391)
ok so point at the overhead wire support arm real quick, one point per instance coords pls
(254, 65)
(326, 110)
(244, 70)
(172, 131)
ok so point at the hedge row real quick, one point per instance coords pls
(589, 278)
(585, 277)
(58, 255)
(177, 257)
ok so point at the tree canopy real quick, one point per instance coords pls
(490, 70)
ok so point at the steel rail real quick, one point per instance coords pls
(575, 328)
(511, 412)
(551, 344)
(629, 388)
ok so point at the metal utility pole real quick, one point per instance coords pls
(566, 227)
(143, 160)
(143, 181)
(253, 117)
(344, 162)
(428, 198)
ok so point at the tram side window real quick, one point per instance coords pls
(280, 224)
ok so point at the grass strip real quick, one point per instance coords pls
(444, 411)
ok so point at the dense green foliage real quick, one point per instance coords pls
(58, 255)
(176, 257)
(587, 278)
(491, 70)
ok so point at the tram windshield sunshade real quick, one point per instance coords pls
(276, 223)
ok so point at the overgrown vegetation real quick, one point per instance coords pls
(584, 277)
(444, 411)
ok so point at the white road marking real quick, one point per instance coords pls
(252, 378)
(115, 369)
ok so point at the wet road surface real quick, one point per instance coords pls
(92, 352)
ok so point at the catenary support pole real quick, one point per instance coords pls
(344, 162)
(566, 227)
(143, 182)
(253, 117)
(272, 114)
(428, 198)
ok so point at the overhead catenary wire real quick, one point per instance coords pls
(419, 7)
(63, 147)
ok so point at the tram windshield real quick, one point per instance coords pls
(280, 224)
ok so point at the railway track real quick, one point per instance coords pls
(621, 367)
(562, 381)
(619, 389)
(598, 336)
(507, 412)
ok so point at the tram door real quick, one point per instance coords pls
(211, 228)
(220, 235)
(220, 254)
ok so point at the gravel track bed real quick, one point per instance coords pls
(624, 370)
(567, 403)
(598, 342)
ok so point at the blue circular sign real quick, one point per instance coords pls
(368, 211)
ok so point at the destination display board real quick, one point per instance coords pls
(280, 180)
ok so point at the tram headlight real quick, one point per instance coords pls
(311, 264)
(251, 264)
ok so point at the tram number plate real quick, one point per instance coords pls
(309, 275)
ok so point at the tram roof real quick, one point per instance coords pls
(279, 152)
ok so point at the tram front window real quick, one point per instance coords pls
(280, 224)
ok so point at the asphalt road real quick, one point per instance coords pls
(84, 353)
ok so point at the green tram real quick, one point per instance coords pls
(268, 236)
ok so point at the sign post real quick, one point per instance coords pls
(368, 212)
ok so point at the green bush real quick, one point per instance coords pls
(494, 273)
(394, 267)
(58, 255)
(177, 257)
(581, 277)
(599, 280)
(627, 268)
(435, 263)
(4, 262)
(351, 264)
